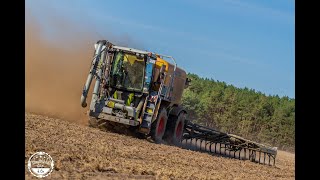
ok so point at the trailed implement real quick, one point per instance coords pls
(197, 137)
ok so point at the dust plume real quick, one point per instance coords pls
(56, 70)
(55, 74)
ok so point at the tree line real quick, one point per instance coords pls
(241, 111)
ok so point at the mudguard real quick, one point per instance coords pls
(175, 110)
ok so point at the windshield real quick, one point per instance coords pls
(127, 71)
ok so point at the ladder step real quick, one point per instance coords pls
(151, 107)
(150, 114)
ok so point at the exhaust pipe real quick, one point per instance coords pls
(92, 72)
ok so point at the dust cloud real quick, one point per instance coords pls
(56, 69)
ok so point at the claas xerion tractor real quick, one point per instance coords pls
(138, 89)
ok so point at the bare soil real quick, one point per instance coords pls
(82, 152)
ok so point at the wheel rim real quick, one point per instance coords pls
(161, 126)
(179, 130)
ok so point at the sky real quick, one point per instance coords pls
(246, 43)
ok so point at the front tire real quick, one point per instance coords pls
(101, 124)
(158, 127)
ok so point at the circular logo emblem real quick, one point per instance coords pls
(40, 164)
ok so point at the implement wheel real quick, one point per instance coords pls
(175, 128)
(158, 127)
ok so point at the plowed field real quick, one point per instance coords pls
(81, 152)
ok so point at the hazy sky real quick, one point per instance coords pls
(246, 43)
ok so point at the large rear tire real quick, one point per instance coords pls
(175, 128)
(158, 127)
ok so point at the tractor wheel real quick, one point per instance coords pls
(158, 127)
(175, 128)
(93, 122)
(100, 124)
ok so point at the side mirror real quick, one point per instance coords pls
(187, 83)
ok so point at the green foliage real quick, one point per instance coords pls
(241, 111)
